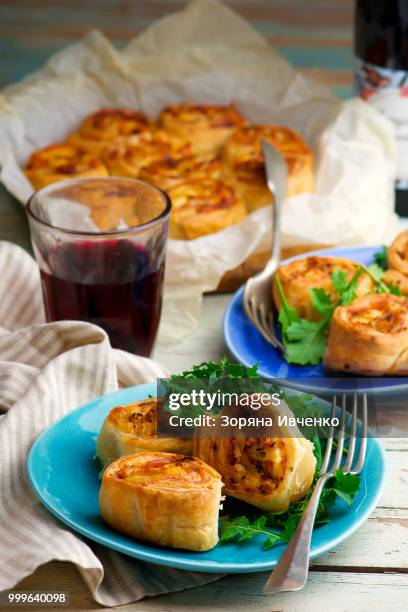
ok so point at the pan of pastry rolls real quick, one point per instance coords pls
(207, 157)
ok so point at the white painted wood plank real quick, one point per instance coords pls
(382, 542)
(334, 591)
(396, 444)
(337, 592)
(396, 484)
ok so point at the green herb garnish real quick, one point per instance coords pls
(241, 528)
(305, 341)
(381, 258)
(279, 527)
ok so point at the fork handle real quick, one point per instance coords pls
(290, 574)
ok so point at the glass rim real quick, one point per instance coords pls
(165, 212)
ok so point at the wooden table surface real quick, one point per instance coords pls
(370, 570)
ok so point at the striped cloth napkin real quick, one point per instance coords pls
(46, 370)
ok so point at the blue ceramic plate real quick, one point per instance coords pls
(65, 476)
(249, 347)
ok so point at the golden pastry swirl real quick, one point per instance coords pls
(107, 125)
(207, 126)
(301, 275)
(370, 336)
(396, 279)
(133, 428)
(169, 172)
(128, 156)
(268, 473)
(243, 151)
(117, 204)
(165, 498)
(61, 161)
(243, 156)
(203, 207)
(398, 253)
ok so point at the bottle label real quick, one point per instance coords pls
(387, 90)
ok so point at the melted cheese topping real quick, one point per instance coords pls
(186, 115)
(243, 151)
(384, 313)
(132, 154)
(169, 172)
(316, 271)
(197, 197)
(64, 159)
(165, 469)
(111, 123)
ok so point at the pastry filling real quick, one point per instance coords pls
(140, 419)
(255, 466)
(391, 319)
(177, 471)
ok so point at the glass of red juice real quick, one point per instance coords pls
(100, 244)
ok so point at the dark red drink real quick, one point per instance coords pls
(115, 284)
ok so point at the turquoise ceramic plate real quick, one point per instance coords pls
(65, 477)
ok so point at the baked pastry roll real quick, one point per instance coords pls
(396, 279)
(163, 498)
(266, 472)
(128, 156)
(133, 428)
(244, 161)
(301, 275)
(206, 126)
(103, 127)
(203, 207)
(59, 162)
(398, 253)
(370, 336)
(169, 172)
(115, 206)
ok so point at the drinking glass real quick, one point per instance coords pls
(100, 244)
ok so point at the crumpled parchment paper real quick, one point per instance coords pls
(209, 54)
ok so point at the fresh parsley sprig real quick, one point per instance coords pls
(241, 528)
(213, 377)
(381, 258)
(305, 341)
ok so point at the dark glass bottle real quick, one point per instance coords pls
(381, 73)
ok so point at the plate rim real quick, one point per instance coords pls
(159, 557)
(306, 387)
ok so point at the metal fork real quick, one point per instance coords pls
(257, 296)
(291, 572)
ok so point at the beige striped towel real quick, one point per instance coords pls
(46, 370)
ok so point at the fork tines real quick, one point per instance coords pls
(340, 434)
